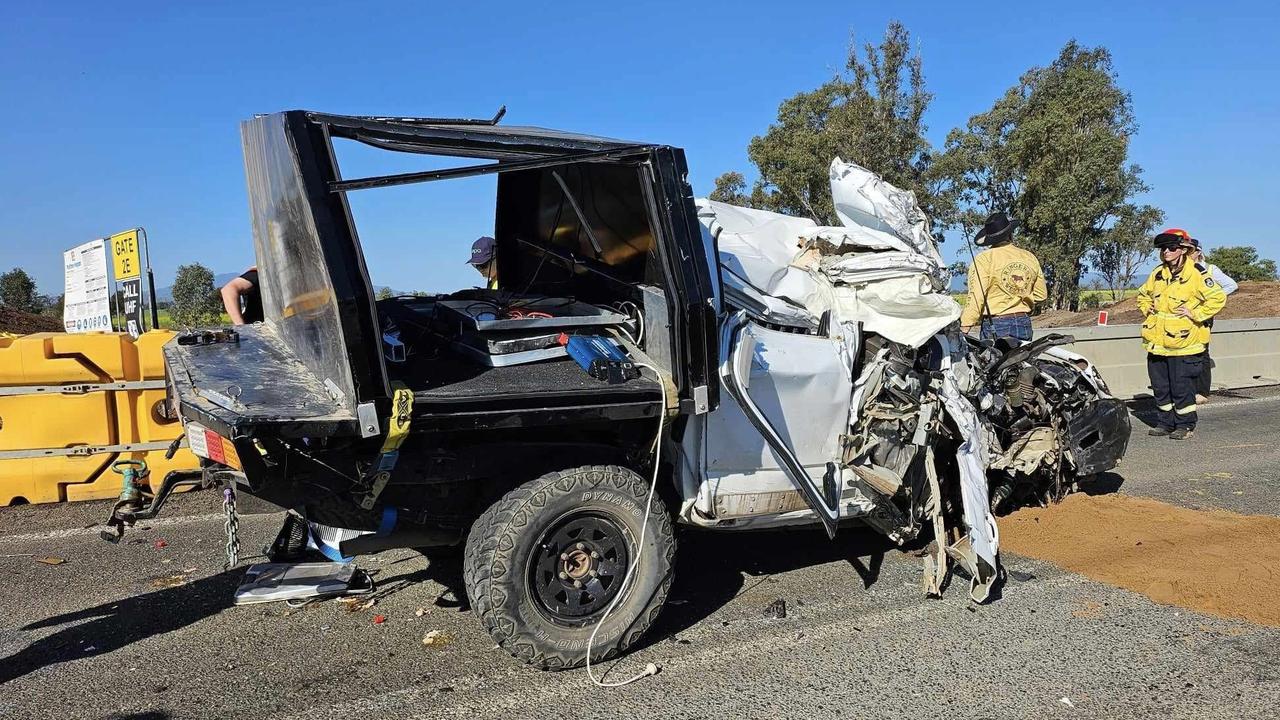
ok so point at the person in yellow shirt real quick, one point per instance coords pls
(1177, 301)
(1005, 283)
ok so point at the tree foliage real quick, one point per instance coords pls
(1053, 150)
(1242, 263)
(1124, 248)
(871, 114)
(195, 301)
(18, 290)
(53, 304)
(731, 188)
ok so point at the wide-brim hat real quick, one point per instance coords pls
(998, 228)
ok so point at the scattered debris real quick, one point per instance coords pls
(1091, 611)
(1067, 702)
(170, 581)
(1021, 576)
(161, 544)
(437, 639)
(421, 611)
(51, 560)
(776, 610)
(356, 603)
(379, 619)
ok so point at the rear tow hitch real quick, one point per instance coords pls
(133, 504)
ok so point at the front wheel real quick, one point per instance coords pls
(543, 564)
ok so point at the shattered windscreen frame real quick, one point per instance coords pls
(298, 293)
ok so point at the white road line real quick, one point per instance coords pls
(94, 530)
(1216, 403)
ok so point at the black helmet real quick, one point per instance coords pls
(998, 230)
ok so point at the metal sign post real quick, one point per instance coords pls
(151, 282)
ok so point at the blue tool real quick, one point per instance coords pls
(601, 358)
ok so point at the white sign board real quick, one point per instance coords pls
(88, 299)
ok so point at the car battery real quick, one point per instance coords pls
(602, 358)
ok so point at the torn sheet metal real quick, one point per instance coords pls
(269, 582)
(757, 250)
(864, 200)
(971, 457)
(905, 309)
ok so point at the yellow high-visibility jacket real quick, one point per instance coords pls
(1164, 331)
(1011, 280)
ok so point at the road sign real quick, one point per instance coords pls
(131, 296)
(126, 261)
(88, 301)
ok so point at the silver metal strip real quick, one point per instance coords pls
(85, 450)
(81, 388)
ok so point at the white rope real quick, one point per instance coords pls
(650, 669)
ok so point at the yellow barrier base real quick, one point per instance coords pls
(31, 421)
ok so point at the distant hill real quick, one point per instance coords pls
(1254, 299)
(165, 294)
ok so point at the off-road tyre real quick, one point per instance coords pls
(499, 576)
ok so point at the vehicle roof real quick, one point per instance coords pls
(472, 138)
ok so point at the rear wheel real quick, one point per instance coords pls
(544, 563)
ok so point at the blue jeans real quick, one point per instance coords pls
(1018, 326)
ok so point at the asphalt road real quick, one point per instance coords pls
(102, 635)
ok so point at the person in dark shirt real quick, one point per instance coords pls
(244, 287)
(484, 259)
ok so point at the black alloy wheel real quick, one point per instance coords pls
(579, 567)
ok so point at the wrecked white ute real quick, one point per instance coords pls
(853, 395)
(647, 359)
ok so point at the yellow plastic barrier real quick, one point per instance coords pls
(57, 440)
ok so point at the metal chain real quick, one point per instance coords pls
(231, 525)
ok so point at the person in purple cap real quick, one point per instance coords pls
(484, 259)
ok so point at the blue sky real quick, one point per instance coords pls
(124, 114)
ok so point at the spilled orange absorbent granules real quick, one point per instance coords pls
(1211, 561)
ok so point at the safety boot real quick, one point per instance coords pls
(1159, 431)
(1181, 434)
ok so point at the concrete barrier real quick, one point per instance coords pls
(1246, 353)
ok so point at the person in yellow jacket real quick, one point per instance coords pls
(1005, 283)
(1177, 301)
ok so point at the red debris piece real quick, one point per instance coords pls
(161, 544)
(379, 619)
